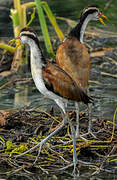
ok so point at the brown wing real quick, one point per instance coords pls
(73, 58)
(60, 83)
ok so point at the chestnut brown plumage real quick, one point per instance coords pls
(72, 55)
(59, 82)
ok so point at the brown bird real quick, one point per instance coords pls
(53, 83)
(72, 55)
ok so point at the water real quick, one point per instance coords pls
(102, 85)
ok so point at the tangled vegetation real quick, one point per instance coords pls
(25, 128)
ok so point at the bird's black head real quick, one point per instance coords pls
(26, 29)
(29, 36)
(92, 10)
(28, 32)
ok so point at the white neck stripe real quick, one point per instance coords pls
(90, 9)
(28, 33)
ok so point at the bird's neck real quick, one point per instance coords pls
(79, 30)
(36, 56)
(37, 62)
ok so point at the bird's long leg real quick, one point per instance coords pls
(90, 115)
(77, 120)
(61, 105)
(44, 140)
(90, 121)
(90, 118)
(75, 160)
(49, 136)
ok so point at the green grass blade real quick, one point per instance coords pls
(114, 119)
(32, 17)
(53, 20)
(44, 28)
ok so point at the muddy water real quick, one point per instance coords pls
(103, 78)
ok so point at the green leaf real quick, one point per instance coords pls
(44, 28)
(52, 20)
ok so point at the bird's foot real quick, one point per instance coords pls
(75, 171)
(39, 145)
(75, 174)
(88, 133)
(92, 134)
(78, 136)
(30, 150)
(39, 151)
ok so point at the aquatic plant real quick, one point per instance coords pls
(19, 19)
(18, 15)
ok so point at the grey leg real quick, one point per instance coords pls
(90, 121)
(75, 160)
(61, 105)
(44, 140)
(77, 119)
(90, 115)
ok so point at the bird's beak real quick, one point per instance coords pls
(100, 19)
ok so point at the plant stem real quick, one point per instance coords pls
(29, 4)
(7, 47)
(44, 28)
(15, 19)
(17, 6)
